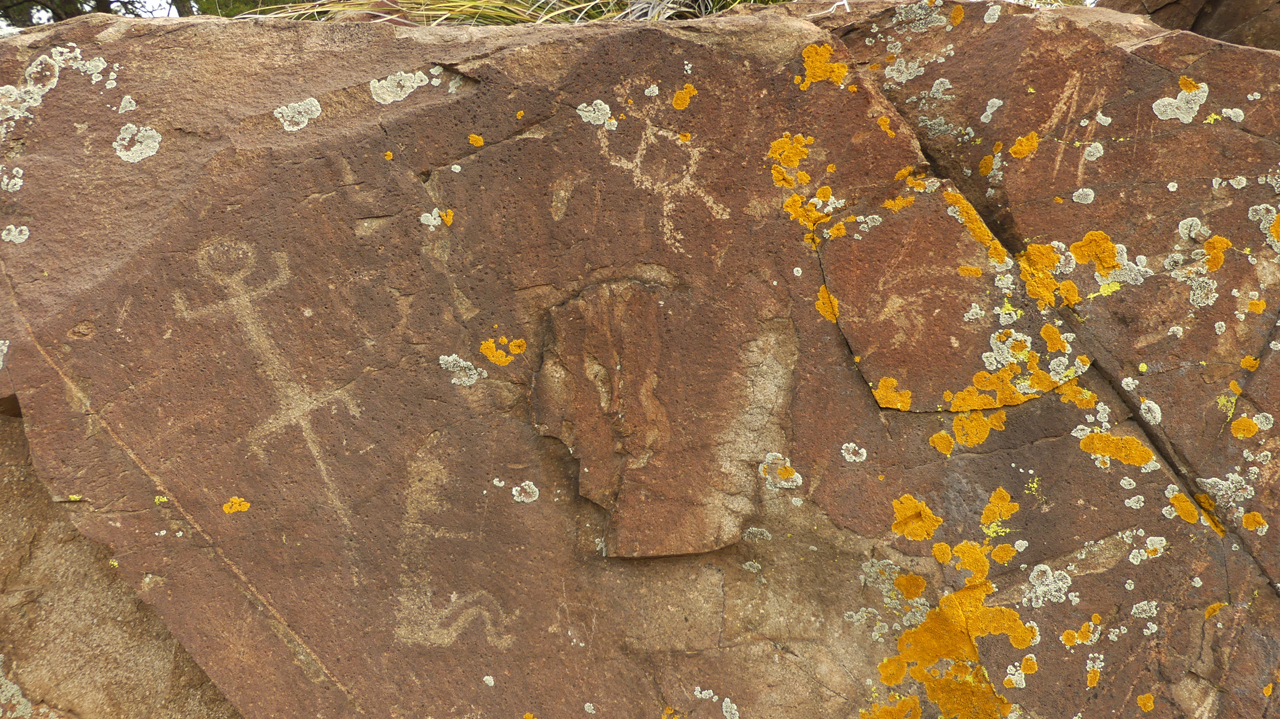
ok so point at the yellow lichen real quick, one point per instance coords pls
(782, 179)
(911, 585)
(986, 164)
(1024, 146)
(1187, 84)
(1185, 507)
(906, 708)
(1096, 247)
(1146, 702)
(818, 66)
(889, 397)
(1214, 252)
(1257, 306)
(883, 122)
(1081, 397)
(388, 155)
(977, 228)
(1250, 363)
(899, 203)
(957, 15)
(790, 149)
(1129, 450)
(1213, 609)
(803, 212)
(1254, 522)
(966, 271)
(942, 442)
(497, 356)
(999, 507)
(683, 96)
(1053, 339)
(827, 305)
(914, 520)
(1038, 263)
(1244, 428)
(476, 140)
(236, 504)
(972, 428)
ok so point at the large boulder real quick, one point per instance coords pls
(894, 358)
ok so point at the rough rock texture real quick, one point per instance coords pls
(75, 639)
(893, 358)
(1244, 22)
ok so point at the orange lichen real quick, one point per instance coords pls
(827, 305)
(517, 347)
(781, 178)
(388, 155)
(957, 15)
(1253, 522)
(985, 164)
(475, 140)
(823, 194)
(818, 66)
(1244, 428)
(1003, 553)
(977, 228)
(889, 397)
(1146, 702)
(1187, 84)
(1266, 691)
(997, 147)
(520, 113)
(685, 137)
(1029, 665)
(1038, 263)
(942, 553)
(966, 271)
(1073, 392)
(948, 637)
(998, 507)
(1235, 387)
(883, 122)
(1207, 504)
(1274, 230)
(1070, 293)
(803, 212)
(906, 708)
(1129, 450)
(447, 217)
(914, 520)
(942, 442)
(911, 585)
(1185, 507)
(1257, 306)
(899, 203)
(1024, 146)
(790, 149)
(802, 177)
(1214, 252)
(1092, 677)
(904, 172)
(1213, 609)
(1053, 339)
(1006, 395)
(236, 504)
(1249, 362)
(1096, 247)
(972, 428)
(683, 96)
(497, 356)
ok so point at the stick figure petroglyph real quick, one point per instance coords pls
(683, 186)
(228, 263)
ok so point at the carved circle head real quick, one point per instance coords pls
(227, 261)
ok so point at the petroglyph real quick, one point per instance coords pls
(420, 621)
(228, 263)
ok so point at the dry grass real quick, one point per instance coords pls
(497, 12)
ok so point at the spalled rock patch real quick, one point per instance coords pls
(790, 363)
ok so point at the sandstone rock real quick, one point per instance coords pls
(795, 362)
(1247, 22)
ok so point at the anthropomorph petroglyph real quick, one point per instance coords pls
(228, 263)
(682, 186)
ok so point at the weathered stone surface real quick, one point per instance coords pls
(1244, 22)
(797, 362)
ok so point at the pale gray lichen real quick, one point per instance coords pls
(597, 113)
(729, 710)
(527, 492)
(1150, 411)
(1047, 585)
(145, 141)
(992, 105)
(975, 312)
(1145, 610)
(651, 91)
(901, 71)
(127, 103)
(296, 115)
(1083, 195)
(757, 534)
(993, 14)
(1184, 107)
(1093, 151)
(1233, 114)
(15, 234)
(1102, 119)
(1265, 216)
(1129, 384)
(397, 86)
(465, 373)
(1129, 272)
(853, 453)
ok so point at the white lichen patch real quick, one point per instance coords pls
(144, 140)
(1102, 119)
(992, 105)
(992, 14)
(1083, 195)
(1184, 107)
(853, 453)
(527, 492)
(12, 180)
(15, 234)
(1265, 216)
(597, 113)
(1150, 411)
(1135, 502)
(1234, 114)
(464, 373)
(752, 566)
(1093, 151)
(1154, 548)
(1145, 610)
(1047, 585)
(651, 91)
(296, 115)
(778, 473)
(397, 86)
(1129, 384)
(757, 534)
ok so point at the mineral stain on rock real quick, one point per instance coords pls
(789, 362)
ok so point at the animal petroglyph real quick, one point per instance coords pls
(683, 185)
(419, 621)
(228, 263)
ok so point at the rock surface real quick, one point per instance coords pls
(1244, 22)
(797, 362)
